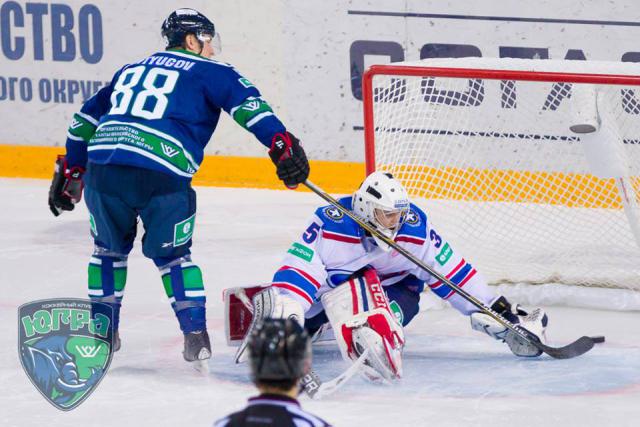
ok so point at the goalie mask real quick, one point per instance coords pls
(383, 202)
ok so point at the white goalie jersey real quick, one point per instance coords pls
(333, 247)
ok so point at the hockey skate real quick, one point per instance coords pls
(197, 349)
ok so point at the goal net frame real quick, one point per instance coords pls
(541, 293)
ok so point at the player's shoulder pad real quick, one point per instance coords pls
(335, 221)
(415, 225)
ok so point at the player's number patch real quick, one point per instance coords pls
(311, 233)
(149, 103)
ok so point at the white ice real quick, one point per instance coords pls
(453, 375)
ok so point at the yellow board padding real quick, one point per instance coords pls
(492, 185)
(18, 161)
(470, 184)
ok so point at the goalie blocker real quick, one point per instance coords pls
(358, 311)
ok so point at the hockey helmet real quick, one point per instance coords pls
(279, 350)
(182, 22)
(383, 202)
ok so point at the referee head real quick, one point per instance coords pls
(279, 355)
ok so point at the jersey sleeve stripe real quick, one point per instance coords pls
(451, 273)
(296, 279)
(461, 284)
(409, 239)
(88, 118)
(259, 117)
(303, 274)
(75, 138)
(339, 237)
(461, 274)
(295, 290)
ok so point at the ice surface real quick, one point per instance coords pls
(453, 375)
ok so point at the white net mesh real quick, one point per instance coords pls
(499, 172)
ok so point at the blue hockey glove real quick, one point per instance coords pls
(290, 159)
(66, 187)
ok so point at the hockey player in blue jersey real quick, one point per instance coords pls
(134, 147)
(336, 274)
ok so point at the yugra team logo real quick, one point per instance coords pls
(65, 347)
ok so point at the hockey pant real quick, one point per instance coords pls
(116, 197)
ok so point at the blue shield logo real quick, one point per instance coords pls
(65, 347)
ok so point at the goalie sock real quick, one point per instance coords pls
(534, 321)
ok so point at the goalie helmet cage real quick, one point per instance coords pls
(529, 167)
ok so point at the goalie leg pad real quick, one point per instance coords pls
(362, 320)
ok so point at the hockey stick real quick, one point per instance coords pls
(576, 348)
(316, 389)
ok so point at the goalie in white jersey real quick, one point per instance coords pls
(335, 272)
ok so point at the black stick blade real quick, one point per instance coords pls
(576, 348)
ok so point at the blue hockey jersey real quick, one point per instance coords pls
(160, 113)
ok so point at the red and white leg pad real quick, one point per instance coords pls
(359, 313)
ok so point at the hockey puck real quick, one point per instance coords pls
(599, 339)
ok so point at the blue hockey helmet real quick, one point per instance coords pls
(279, 350)
(182, 22)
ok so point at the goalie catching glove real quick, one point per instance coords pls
(534, 321)
(290, 159)
(66, 186)
(265, 303)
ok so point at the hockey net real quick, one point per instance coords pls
(529, 167)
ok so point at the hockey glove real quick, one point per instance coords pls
(534, 321)
(66, 187)
(290, 159)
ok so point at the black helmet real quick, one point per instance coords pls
(279, 350)
(185, 21)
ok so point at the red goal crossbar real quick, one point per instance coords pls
(413, 71)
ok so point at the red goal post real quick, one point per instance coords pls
(477, 140)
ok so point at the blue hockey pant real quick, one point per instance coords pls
(117, 196)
